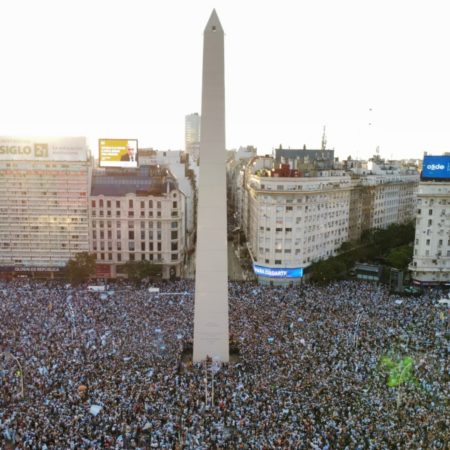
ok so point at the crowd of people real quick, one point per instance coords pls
(90, 370)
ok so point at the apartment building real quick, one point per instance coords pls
(44, 188)
(292, 220)
(431, 260)
(137, 215)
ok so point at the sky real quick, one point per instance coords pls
(375, 73)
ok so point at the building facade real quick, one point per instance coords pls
(137, 215)
(44, 188)
(431, 260)
(292, 220)
(192, 135)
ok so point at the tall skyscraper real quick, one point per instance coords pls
(192, 135)
(211, 335)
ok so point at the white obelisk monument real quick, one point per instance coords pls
(211, 335)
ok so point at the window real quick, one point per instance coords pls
(110, 256)
(102, 234)
(430, 222)
(278, 262)
(131, 256)
(158, 235)
(102, 256)
(119, 234)
(109, 234)
(158, 205)
(119, 246)
(428, 242)
(118, 213)
(130, 213)
(130, 203)
(174, 234)
(174, 246)
(159, 247)
(174, 205)
(101, 206)
(150, 246)
(117, 203)
(94, 234)
(119, 257)
(131, 235)
(93, 203)
(174, 256)
(150, 203)
(108, 203)
(142, 234)
(142, 205)
(131, 246)
(430, 212)
(174, 225)
(143, 246)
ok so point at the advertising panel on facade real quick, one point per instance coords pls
(43, 148)
(118, 153)
(271, 272)
(436, 167)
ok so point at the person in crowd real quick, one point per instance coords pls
(86, 370)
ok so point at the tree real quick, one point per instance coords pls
(79, 269)
(400, 257)
(138, 270)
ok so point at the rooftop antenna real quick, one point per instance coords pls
(324, 138)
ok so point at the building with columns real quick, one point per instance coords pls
(137, 215)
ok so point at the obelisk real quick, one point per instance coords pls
(211, 335)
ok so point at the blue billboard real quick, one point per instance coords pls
(436, 167)
(271, 272)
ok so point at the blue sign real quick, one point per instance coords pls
(275, 272)
(436, 167)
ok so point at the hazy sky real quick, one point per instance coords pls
(132, 69)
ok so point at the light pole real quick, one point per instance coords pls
(8, 353)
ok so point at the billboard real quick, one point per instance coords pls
(271, 272)
(118, 153)
(43, 148)
(436, 167)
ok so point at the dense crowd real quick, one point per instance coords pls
(82, 370)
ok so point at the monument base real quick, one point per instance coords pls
(188, 351)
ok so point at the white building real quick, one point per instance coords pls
(192, 135)
(137, 215)
(431, 261)
(44, 186)
(186, 172)
(292, 221)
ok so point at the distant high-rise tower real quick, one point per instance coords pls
(192, 135)
(211, 335)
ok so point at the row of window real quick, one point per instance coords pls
(109, 203)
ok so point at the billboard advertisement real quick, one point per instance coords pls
(43, 148)
(275, 272)
(436, 167)
(118, 153)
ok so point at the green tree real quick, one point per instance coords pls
(138, 270)
(80, 268)
(400, 257)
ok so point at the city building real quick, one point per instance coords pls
(293, 217)
(431, 260)
(44, 188)
(186, 172)
(192, 135)
(137, 214)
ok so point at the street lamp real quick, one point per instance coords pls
(8, 353)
